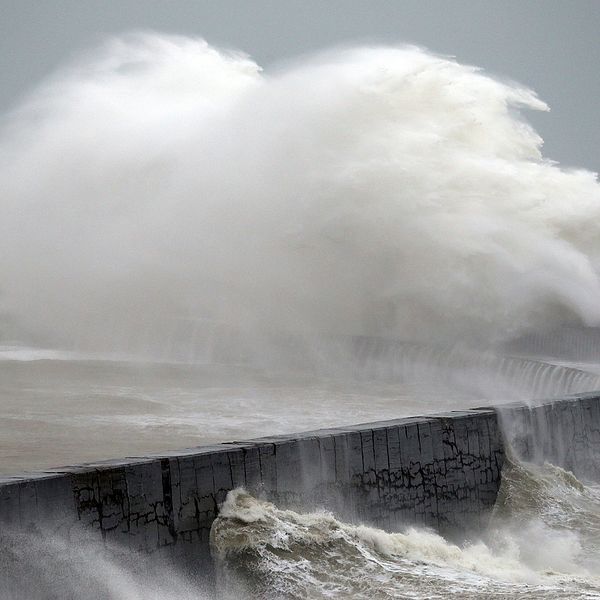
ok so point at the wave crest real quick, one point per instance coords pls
(361, 191)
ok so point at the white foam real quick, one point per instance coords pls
(25, 354)
(315, 553)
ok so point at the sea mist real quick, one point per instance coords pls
(159, 189)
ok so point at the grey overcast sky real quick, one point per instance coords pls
(552, 46)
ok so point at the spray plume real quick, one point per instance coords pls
(370, 191)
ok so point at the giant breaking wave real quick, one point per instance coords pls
(361, 191)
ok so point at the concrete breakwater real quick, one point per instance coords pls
(442, 471)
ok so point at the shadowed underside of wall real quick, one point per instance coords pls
(441, 471)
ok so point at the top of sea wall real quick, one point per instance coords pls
(442, 471)
(590, 401)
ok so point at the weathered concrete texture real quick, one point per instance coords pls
(565, 432)
(441, 471)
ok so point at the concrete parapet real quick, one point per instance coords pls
(442, 471)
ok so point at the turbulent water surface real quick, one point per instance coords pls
(543, 542)
(61, 408)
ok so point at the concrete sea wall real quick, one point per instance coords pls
(442, 471)
(565, 432)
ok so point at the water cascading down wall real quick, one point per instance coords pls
(442, 471)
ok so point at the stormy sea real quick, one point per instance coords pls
(197, 250)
